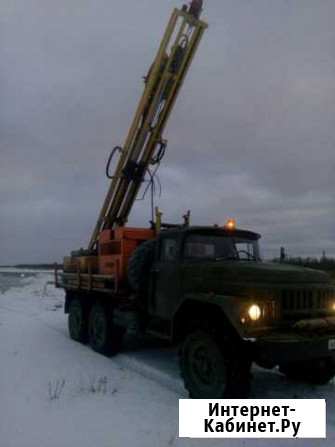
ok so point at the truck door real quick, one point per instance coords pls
(166, 284)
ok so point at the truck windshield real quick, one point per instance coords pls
(198, 246)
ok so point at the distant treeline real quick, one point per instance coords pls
(35, 266)
(326, 264)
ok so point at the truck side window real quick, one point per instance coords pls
(169, 250)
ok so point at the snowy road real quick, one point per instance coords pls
(54, 392)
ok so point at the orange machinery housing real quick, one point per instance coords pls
(116, 246)
(114, 249)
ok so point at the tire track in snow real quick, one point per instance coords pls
(154, 369)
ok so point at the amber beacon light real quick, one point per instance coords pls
(231, 225)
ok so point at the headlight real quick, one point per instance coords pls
(263, 313)
(332, 305)
(254, 312)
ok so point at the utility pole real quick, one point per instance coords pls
(282, 254)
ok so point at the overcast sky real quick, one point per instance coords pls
(252, 135)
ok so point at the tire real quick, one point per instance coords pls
(211, 368)
(315, 372)
(104, 337)
(139, 266)
(78, 320)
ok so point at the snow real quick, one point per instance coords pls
(58, 393)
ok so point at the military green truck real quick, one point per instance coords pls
(207, 289)
(204, 288)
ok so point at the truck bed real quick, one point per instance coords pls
(87, 282)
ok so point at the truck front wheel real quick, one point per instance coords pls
(211, 368)
(77, 320)
(104, 336)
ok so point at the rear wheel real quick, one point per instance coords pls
(104, 336)
(316, 372)
(77, 320)
(211, 368)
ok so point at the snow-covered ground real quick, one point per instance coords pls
(57, 393)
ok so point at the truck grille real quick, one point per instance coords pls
(307, 300)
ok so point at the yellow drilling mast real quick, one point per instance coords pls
(144, 145)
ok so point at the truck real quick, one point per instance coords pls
(203, 288)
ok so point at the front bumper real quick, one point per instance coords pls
(281, 347)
